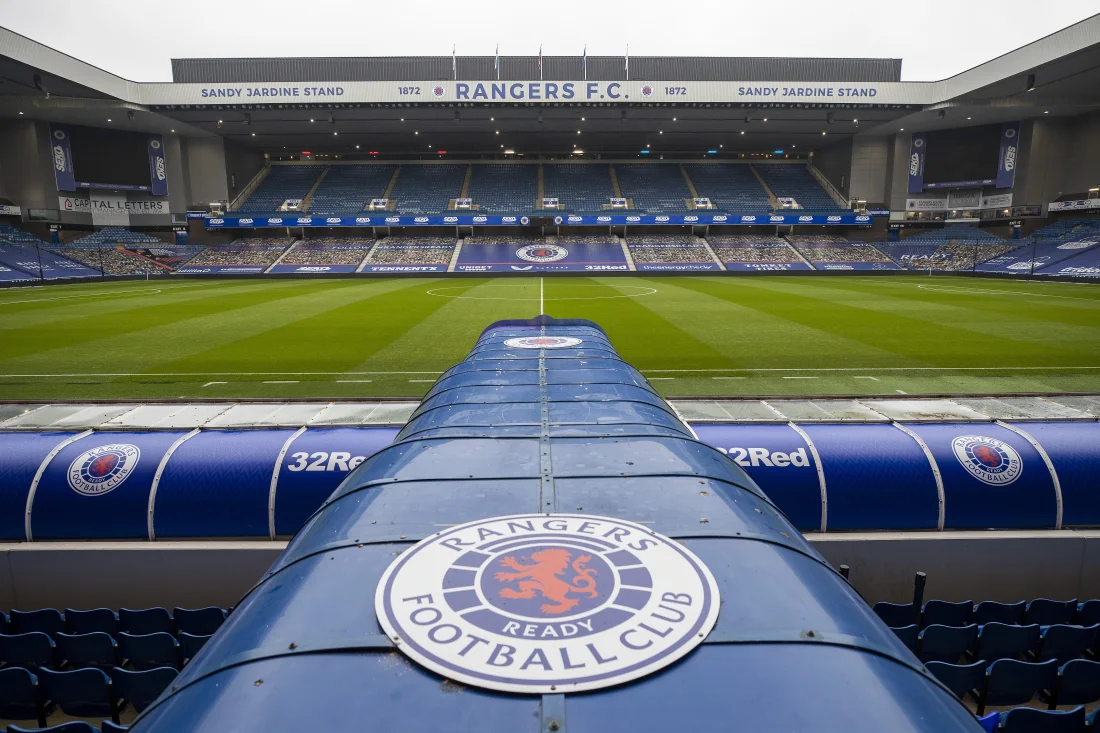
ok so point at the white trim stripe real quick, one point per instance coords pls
(820, 474)
(38, 477)
(935, 471)
(1050, 466)
(275, 482)
(160, 472)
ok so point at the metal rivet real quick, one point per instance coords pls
(553, 725)
(292, 646)
(257, 683)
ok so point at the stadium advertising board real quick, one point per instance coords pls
(856, 266)
(6, 210)
(1008, 154)
(222, 270)
(158, 168)
(314, 269)
(1078, 205)
(541, 257)
(259, 222)
(677, 266)
(763, 266)
(917, 157)
(62, 154)
(537, 92)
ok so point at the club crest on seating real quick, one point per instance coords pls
(543, 342)
(542, 603)
(987, 459)
(100, 470)
(542, 253)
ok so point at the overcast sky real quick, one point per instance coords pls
(936, 38)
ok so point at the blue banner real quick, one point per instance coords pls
(676, 266)
(62, 153)
(1006, 159)
(158, 170)
(259, 222)
(917, 152)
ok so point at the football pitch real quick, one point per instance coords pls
(690, 335)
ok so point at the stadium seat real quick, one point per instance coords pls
(908, 635)
(1078, 684)
(1088, 613)
(32, 650)
(47, 620)
(82, 693)
(190, 644)
(87, 622)
(946, 613)
(108, 727)
(1064, 642)
(73, 726)
(895, 614)
(147, 651)
(1002, 613)
(199, 622)
(1009, 682)
(19, 696)
(959, 678)
(142, 688)
(1046, 612)
(1001, 641)
(145, 621)
(96, 649)
(1030, 720)
(3, 623)
(939, 643)
(990, 722)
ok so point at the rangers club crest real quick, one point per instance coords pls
(992, 461)
(543, 342)
(438, 91)
(100, 470)
(544, 603)
(542, 253)
(647, 91)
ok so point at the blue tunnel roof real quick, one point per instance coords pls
(575, 431)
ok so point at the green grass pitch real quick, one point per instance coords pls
(690, 335)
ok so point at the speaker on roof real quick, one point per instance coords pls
(247, 119)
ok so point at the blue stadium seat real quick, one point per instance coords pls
(96, 649)
(1030, 720)
(145, 621)
(946, 613)
(73, 726)
(959, 678)
(3, 622)
(504, 188)
(199, 621)
(81, 693)
(795, 181)
(939, 643)
(1009, 682)
(990, 722)
(731, 187)
(908, 635)
(147, 651)
(1064, 642)
(47, 620)
(87, 622)
(1046, 612)
(190, 644)
(580, 187)
(654, 187)
(19, 696)
(1078, 684)
(427, 189)
(108, 727)
(142, 688)
(896, 614)
(282, 182)
(1088, 613)
(31, 650)
(1002, 613)
(1001, 641)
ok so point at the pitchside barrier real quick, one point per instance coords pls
(265, 483)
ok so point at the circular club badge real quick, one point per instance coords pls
(987, 459)
(100, 470)
(543, 603)
(542, 253)
(543, 342)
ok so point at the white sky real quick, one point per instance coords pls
(936, 38)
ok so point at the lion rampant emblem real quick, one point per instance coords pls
(542, 579)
